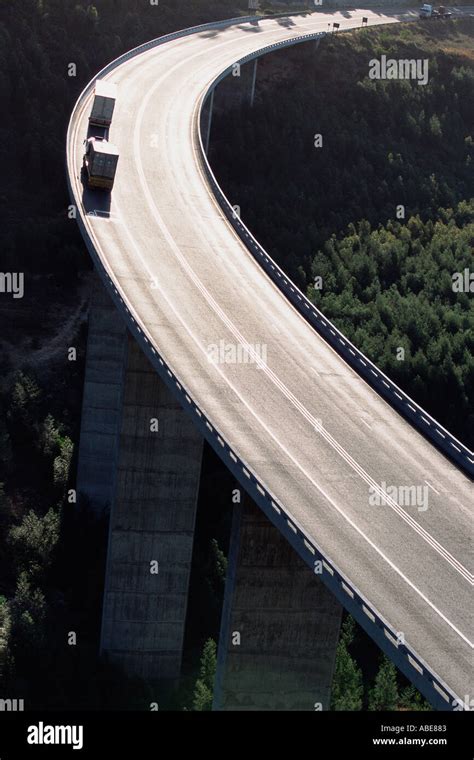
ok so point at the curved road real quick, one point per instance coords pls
(318, 437)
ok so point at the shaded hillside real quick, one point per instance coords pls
(331, 211)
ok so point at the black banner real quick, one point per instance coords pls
(137, 735)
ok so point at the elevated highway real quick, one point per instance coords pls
(314, 443)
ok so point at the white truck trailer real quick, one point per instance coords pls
(105, 95)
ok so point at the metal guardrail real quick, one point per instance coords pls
(414, 667)
(401, 401)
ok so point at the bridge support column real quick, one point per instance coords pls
(209, 120)
(280, 625)
(151, 527)
(254, 82)
(102, 401)
(140, 458)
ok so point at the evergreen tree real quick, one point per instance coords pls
(50, 436)
(219, 564)
(347, 687)
(4, 636)
(411, 699)
(34, 540)
(204, 688)
(384, 693)
(28, 613)
(62, 462)
(25, 396)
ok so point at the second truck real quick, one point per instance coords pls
(105, 95)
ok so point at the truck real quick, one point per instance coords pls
(443, 12)
(429, 11)
(105, 95)
(100, 163)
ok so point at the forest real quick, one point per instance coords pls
(375, 222)
(326, 213)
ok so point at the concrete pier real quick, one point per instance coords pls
(102, 401)
(237, 90)
(209, 107)
(140, 460)
(280, 625)
(254, 82)
(151, 527)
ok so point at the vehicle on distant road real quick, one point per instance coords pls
(105, 95)
(100, 163)
(429, 11)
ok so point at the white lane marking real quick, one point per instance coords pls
(295, 461)
(366, 423)
(455, 563)
(432, 488)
